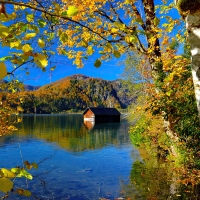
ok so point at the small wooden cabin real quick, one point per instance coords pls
(101, 114)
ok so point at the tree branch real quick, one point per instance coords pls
(59, 16)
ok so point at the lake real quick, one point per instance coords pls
(84, 162)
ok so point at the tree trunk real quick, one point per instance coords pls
(193, 28)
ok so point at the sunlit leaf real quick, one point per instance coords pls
(41, 60)
(5, 58)
(156, 21)
(72, 10)
(7, 173)
(26, 48)
(15, 170)
(90, 50)
(41, 43)
(24, 173)
(28, 36)
(30, 17)
(15, 44)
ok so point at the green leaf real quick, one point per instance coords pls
(34, 28)
(51, 36)
(119, 25)
(84, 43)
(97, 63)
(139, 20)
(133, 39)
(64, 13)
(3, 71)
(63, 52)
(5, 58)
(42, 23)
(24, 173)
(156, 21)
(41, 43)
(63, 37)
(89, 50)
(5, 185)
(30, 18)
(7, 173)
(72, 10)
(27, 193)
(41, 60)
(117, 54)
(28, 36)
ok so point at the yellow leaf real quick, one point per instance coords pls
(72, 10)
(3, 71)
(27, 193)
(15, 44)
(3, 31)
(41, 60)
(89, 50)
(156, 21)
(28, 36)
(177, 57)
(41, 43)
(5, 185)
(30, 17)
(7, 173)
(26, 48)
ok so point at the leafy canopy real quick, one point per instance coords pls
(78, 29)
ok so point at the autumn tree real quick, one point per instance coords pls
(81, 28)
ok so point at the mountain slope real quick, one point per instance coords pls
(76, 93)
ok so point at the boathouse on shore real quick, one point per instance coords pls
(98, 114)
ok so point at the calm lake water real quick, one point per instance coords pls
(81, 162)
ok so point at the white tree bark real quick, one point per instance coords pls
(193, 28)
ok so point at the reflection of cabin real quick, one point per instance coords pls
(89, 124)
(101, 114)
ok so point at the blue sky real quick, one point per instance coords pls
(110, 70)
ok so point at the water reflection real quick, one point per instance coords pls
(86, 164)
(69, 132)
(89, 164)
(155, 179)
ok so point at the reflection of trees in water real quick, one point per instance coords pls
(69, 132)
(155, 179)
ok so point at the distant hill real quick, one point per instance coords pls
(25, 87)
(75, 93)
(30, 87)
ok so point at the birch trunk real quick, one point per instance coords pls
(193, 28)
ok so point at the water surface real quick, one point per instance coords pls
(74, 162)
(87, 162)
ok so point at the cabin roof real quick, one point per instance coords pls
(103, 111)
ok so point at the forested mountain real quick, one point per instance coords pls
(74, 93)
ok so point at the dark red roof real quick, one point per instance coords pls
(103, 111)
